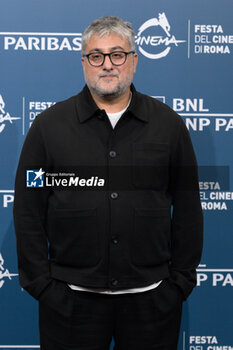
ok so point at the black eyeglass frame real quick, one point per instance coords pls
(109, 55)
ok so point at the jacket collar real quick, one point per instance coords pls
(87, 108)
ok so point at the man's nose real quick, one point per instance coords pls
(107, 63)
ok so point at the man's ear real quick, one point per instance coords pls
(135, 58)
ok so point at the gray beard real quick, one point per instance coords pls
(108, 95)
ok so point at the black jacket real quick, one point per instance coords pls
(144, 225)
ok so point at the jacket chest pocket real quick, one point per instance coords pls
(150, 165)
(151, 236)
(74, 237)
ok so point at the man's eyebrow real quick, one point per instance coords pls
(111, 49)
(117, 48)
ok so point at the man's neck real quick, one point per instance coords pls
(113, 105)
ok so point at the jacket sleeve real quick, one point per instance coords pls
(187, 218)
(30, 208)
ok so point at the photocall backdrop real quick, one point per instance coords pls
(185, 60)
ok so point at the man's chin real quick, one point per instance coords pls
(107, 92)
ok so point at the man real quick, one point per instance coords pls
(119, 260)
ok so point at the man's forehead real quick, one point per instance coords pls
(108, 42)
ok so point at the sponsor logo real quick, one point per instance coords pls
(7, 198)
(154, 39)
(18, 41)
(197, 117)
(5, 117)
(214, 277)
(160, 98)
(4, 273)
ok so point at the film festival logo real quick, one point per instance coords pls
(5, 117)
(4, 273)
(157, 45)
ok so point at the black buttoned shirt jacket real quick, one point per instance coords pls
(143, 225)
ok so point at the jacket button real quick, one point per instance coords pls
(115, 240)
(112, 154)
(114, 195)
(114, 282)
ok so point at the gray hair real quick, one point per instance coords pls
(107, 25)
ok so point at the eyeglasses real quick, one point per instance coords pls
(117, 58)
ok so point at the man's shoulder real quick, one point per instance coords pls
(155, 108)
(59, 111)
